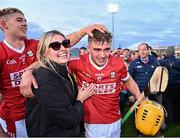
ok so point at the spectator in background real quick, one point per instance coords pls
(134, 55)
(126, 55)
(150, 50)
(142, 69)
(153, 53)
(82, 50)
(171, 97)
(163, 56)
(176, 65)
(117, 52)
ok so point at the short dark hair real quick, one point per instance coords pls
(84, 48)
(126, 49)
(100, 37)
(134, 52)
(7, 11)
(154, 54)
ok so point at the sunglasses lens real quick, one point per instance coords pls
(55, 46)
(66, 43)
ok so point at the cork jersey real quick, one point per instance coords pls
(103, 106)
(12, 66)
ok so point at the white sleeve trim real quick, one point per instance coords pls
(126, 78)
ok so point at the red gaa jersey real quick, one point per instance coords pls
(103, 106)
(12, 65)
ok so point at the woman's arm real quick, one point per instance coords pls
(75, 37)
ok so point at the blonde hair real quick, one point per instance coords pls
(43, 47)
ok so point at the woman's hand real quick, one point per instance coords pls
(85, 93)
(88, 30)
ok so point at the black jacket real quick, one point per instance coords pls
(54, 111)
(171, 63)
(141, 73)
(176, 65)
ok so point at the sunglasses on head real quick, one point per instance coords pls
(57, 45)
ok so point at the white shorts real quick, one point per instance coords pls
(103, 130)
(20, 128)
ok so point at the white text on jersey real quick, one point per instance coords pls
(103, 88)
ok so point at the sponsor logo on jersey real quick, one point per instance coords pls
(15, 78)
(23, 58)
(103, 88)
(112, 74)
(99, 76)
(30, 53)
(11, 61)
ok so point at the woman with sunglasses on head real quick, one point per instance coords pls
(56, 109)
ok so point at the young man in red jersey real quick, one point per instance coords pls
(101, 111)
(17, 53)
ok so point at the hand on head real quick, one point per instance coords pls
(88, 30)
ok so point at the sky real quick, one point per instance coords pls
(156, 22)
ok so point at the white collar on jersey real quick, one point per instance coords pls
(97, 67)
(13, 48)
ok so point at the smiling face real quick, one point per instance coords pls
(14, 25)
(60, 56)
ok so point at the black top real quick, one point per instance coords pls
(171, 63)
(176, 65)
(54, 111)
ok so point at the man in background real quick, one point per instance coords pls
(82, 50)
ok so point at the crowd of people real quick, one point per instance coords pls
(141, 68)
(44, 93)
